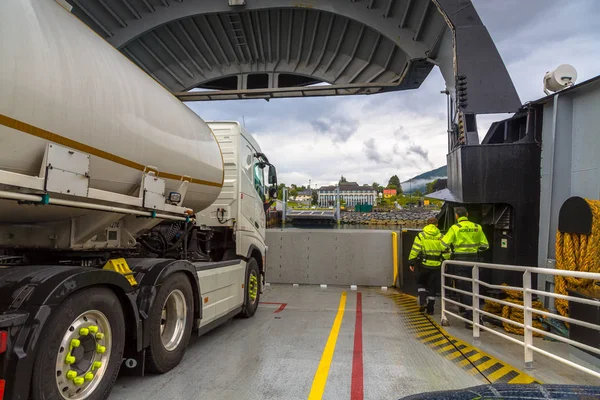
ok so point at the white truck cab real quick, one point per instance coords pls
(247, 190)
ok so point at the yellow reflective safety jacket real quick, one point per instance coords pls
(465, 237)
(428, 245)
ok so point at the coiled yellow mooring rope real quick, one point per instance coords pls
(576, 252)
(514, 313)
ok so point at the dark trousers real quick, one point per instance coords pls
(461, 270)
(428, 285)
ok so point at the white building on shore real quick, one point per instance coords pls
(351, 192)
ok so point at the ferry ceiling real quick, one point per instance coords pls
(247, 49)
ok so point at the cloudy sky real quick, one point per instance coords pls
(370, 138)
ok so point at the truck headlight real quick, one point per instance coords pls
(174, 198)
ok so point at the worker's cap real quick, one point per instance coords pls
(432, 220)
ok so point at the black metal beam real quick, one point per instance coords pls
(385, 67)
(251, 31)
(339, 45)
(113, 13)
(314, 36)
(183, 49)
(269, 50)
(173, 56)
(259, 34)
(351, 58)
(214, 37)
(290, 31)
(193, 44)
(148, 6)
(131, 9)
(93, 18)
(302, 30)
(422, 22)
(368, 62)
(325, 43)
(386, 14)
(143, 66)
(407, 10)
(161, 62)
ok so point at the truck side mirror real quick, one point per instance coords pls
(273, 192)
(272, 175)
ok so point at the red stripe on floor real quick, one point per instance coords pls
(281, 305)
(357, 388)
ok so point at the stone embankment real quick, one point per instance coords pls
(413, 218)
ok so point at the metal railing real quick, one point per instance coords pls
(527, 308)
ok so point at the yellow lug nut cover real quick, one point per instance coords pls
(89, 376)
(97, 364)
(84, 331)
(78, 381)
(93, 328)
(100, 349)
(75, 343)
(71, 374)
(99, 336)
(69, 359)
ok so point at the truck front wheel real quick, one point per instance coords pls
(252, 289)
(170, 323)
(81, 348)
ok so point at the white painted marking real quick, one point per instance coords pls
(323, 286)
(267, 284)
(384, 288)
(353, 287)
(295, 285)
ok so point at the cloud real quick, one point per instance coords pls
(339, 128)
(420, 152)
(374, 155)
(399, 133)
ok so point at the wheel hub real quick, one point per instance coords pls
(253, 287)
(173, 320)
(83, 355)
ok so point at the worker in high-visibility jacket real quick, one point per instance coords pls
(466, 240)
(428, 252)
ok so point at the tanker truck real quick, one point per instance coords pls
(127, 223)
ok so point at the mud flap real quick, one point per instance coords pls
(133, 364)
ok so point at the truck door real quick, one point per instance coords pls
(252, 218)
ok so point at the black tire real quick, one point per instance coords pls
(160, 359)
(250, 305)
(43, 383)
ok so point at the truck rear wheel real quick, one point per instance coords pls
(170, 322)
(252, 289)
(81, 348)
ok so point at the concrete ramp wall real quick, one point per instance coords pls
(328, 256)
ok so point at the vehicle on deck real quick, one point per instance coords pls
(126, 222)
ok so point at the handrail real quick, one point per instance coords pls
(527, 308)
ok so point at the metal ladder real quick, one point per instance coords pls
(239, 35)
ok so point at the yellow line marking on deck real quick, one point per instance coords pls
(320, 380)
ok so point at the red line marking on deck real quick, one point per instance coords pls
(357, 387)
(281, 306)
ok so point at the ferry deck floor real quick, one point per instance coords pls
(336, 343)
